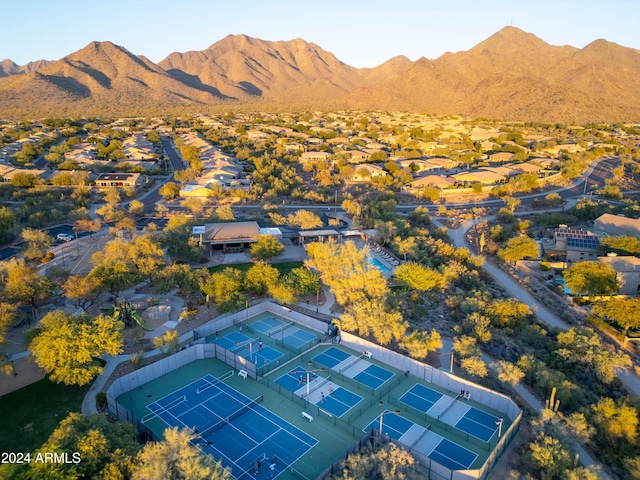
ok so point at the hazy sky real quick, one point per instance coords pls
(362, 33)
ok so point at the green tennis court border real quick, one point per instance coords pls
(336, 435)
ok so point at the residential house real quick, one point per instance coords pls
(120, 180)
(501, 157)
(484, 177)
(356, 156)
(616, 226)
(574, 244)
(314, 156)
(438, 181)
(627, 270)
(366, 172)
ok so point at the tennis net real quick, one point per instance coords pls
(243, 345)
(215, 382)
(343, 369)
(279, 328)
(320, 384)
(241, 411)
(455, 399)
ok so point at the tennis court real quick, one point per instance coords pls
(285, 331)
(331, 357)
(480, 424)
(248, 348)
(232, 427)
(434, 446)
(452, 455)
(393, 425)
(373, 376)
(420, 397)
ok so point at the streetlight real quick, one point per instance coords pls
(499, 423)
(250, 342)
(308, 371)
(451, 356)
(382, 414)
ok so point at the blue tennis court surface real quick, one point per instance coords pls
(285, 331)
(249, 348)
(232, 427)
(338, 401)
(331, 357)
(373, 376)
(296, 379)
(420, 397)
(297, 338)
(452, 455)
(480, 424)
(392, 424)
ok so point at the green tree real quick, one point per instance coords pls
(224, 213)
(8, 223)
(614, 421)
(372, 317)
(420, 343)
(507, 312)
(260, 277)
(304, 280)
(24, 180)
(266, 247)
(106, 449)
(304, 219)
(23, 284)
(8, 315)
(623, 311)
(176, 458)
(83, 291)
(168, 343)
(583, 346)
(386, 462)
(625, 245)
(509, 373)
(87, 225)
(38, 243)
(169, 190)
(474, 366)
(549, 455)
(591, 278)
(225, 287)
(419, 277)
(69, 347)
(136, 208)
(347, 272)
(518, 248)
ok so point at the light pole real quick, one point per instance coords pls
(499, 423)
(451, 358)
(382, 414)
(308, 372)
(250, 342)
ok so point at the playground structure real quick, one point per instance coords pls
(124, 311)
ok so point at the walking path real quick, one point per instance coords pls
(458, 235)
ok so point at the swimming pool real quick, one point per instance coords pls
(379, 265)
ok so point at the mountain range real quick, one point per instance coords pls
(512, 75)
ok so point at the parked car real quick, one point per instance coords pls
(64, 237)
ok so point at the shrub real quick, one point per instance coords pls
(101, 400)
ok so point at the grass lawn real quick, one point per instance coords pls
(284, 268)
(32, 413)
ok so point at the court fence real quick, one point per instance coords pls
(168, 364)
(436, 422)
(448, 381)
(436, 471)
